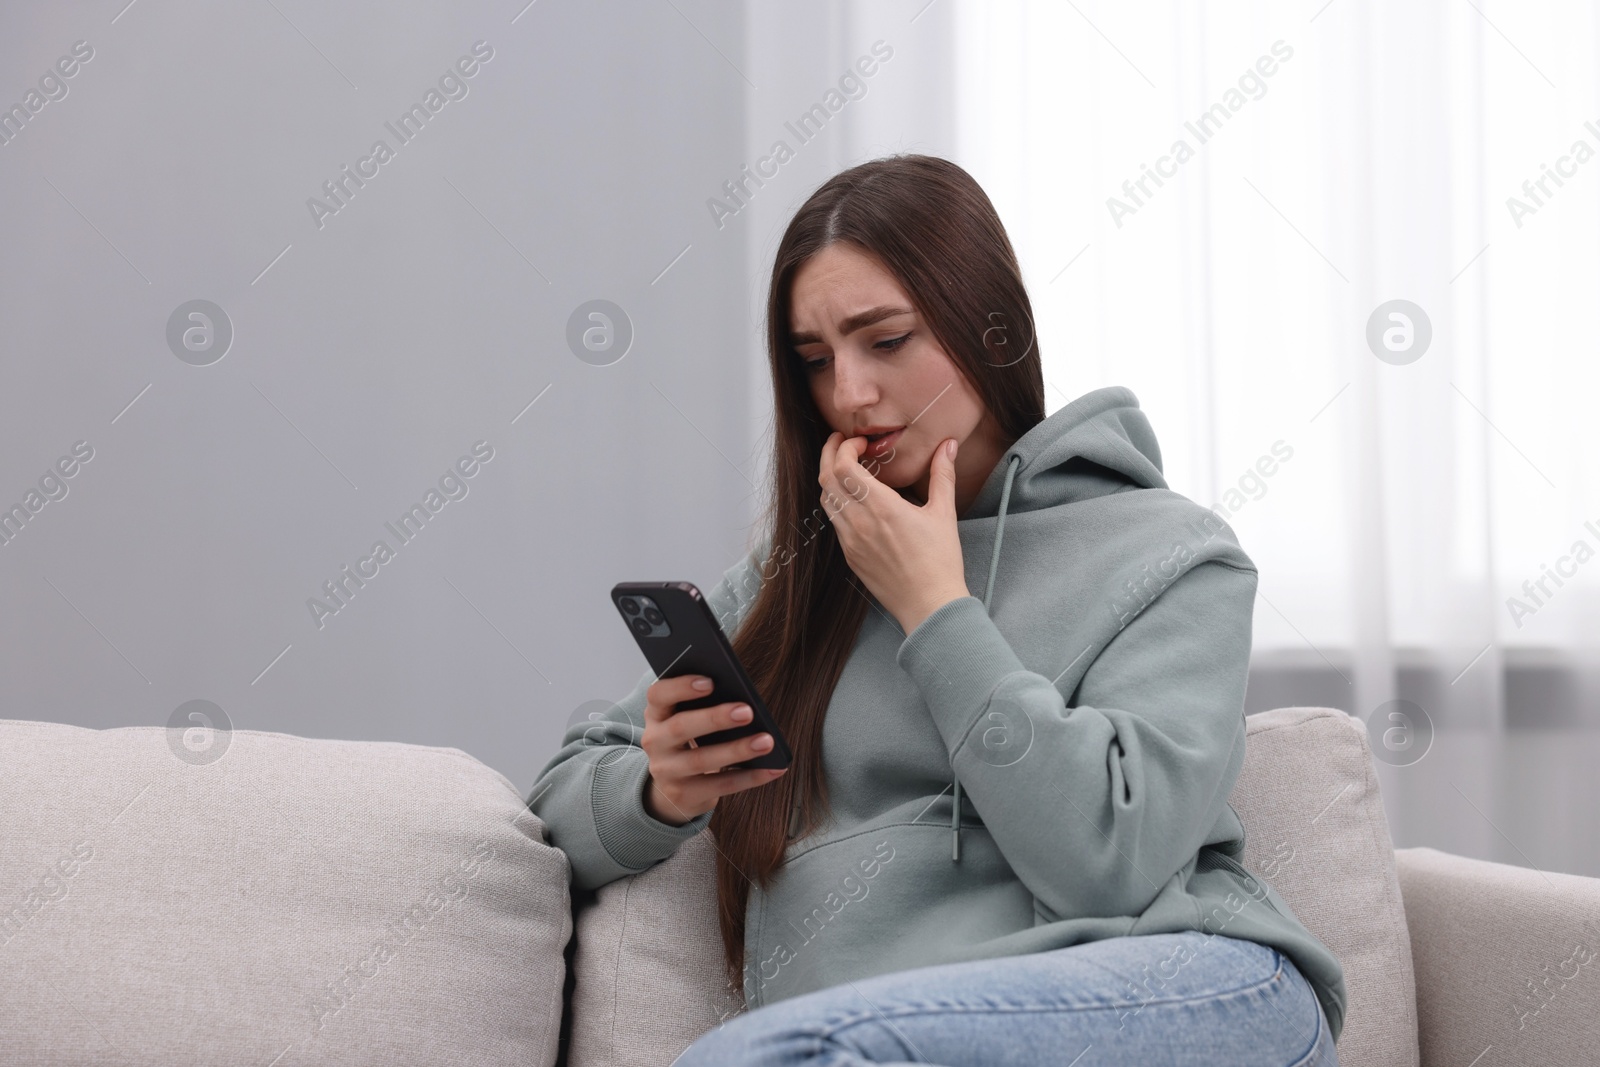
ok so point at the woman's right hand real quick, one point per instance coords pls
(684, 781)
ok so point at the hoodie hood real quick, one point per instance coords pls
(1100, 443)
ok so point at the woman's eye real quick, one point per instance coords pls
(889, 345)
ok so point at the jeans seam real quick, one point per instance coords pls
(1312, 1057)
(1269, 980)
(828, 1032)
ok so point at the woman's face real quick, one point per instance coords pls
(872, 365)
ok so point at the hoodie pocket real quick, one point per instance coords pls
(877, 900)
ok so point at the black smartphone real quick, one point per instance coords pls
(679, 635)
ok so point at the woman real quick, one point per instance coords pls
(1005, 836)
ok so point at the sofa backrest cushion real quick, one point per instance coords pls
(1316, 831)
(648, 956)
(648, 964)
(326, 902)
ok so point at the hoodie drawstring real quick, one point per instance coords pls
(994, 563)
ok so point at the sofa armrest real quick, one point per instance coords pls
(1507, 961)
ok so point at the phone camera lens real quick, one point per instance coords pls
(640, 626)
(630, 606)
(653, 615)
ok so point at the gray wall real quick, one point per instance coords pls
(368, 354)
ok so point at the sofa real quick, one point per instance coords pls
(244, 897)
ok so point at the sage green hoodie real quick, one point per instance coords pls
(1043, 766)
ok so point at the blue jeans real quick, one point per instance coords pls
(1152, 999)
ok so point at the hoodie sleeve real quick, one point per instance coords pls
(1096, 807)
(590, 795)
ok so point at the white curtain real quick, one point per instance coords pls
(1355, 153)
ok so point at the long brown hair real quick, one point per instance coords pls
(931, 226)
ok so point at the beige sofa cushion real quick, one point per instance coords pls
(326, 902)
(1315, 830)
(648, 964)
(648, 969)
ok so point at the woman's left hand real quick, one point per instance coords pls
(908, 556)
